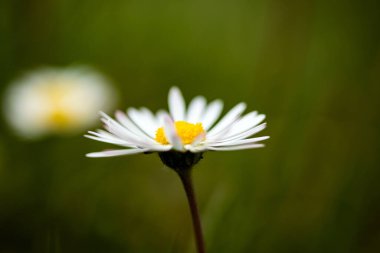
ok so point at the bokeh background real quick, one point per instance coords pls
(313, 67)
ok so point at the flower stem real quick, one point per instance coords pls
(185, 176)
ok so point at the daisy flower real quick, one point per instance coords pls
(194, 129)
(56, 101)
(180, 137)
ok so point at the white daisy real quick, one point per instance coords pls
(56, 101)
(191, 130)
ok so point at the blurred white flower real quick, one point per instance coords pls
(56, 101)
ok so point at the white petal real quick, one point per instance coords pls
(116, 129)
(106, 135)
(195, 149)
(127, 123)
(143, 120)
(104, 132)
(197, 140)
(124, 135)
(171, 133)
(238, 147)
(245, 123)
(160, 115)
(212, 113)
(161, 148)
(150, 117)
(227, 120)
(239, 142)
(240, 136)
(196, 109)
(133, 129)
(106, 140)
(121, 132)
(117, 152)
(176, 104)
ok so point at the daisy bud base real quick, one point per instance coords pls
(180, 161)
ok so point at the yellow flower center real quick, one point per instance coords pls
(60, 116)
(188, 132)
(60, 119)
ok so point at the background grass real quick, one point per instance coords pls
(313, 67)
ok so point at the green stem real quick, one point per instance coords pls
(185, 176)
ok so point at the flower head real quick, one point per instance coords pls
(56, 101)
(191, 130)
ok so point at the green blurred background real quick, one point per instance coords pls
(313, 67)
